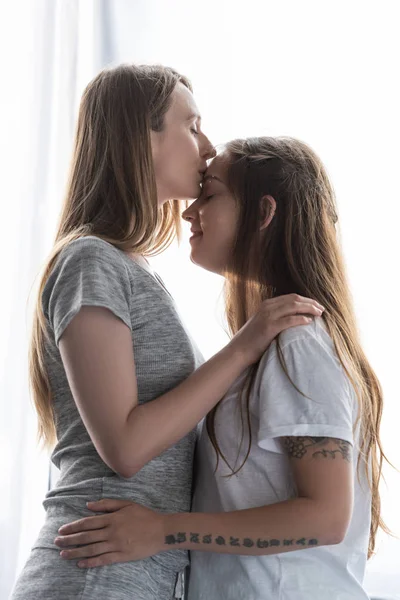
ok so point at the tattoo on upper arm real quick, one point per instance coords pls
(320, 447)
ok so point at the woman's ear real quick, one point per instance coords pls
(267, 209)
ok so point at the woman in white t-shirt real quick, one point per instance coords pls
(288, 463)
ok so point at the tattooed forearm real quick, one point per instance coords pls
(318, 447)
(196, 538)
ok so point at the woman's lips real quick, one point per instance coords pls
(195, 235)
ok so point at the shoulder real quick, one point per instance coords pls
(90, 272)
(94, 249)
(90, 255)
(90, 246)
(316, 331)
(306, 345)
(308, 393)
(85, 263)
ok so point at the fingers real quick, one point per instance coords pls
(84, 525)
(79, 539)
(306, 300)
(105, 505)
(104, 559)
(86, 551)
(290, 298)
(295, 307)
(293, 321)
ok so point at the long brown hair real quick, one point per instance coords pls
(297, 253)
(111, 192)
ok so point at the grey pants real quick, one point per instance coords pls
(46, 576)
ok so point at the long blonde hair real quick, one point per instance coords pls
(111, 191)
(297, 253)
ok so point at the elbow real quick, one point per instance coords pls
(125, 471)
(118, 459)
(336, 536)
(332, 524)
(128, 468)
(332, 518)
(120, 465)
(336, 533)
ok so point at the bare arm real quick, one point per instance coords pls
(98, 356)
(319, 516)
(97, 353)
(323, 472)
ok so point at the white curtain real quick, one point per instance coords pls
(48, 54)
(323, 72)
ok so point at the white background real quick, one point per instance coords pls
(326, 72)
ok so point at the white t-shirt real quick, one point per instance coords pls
(277, 409)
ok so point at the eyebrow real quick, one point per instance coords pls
(194, 116)
(211, 177)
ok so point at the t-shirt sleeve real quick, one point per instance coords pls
(88, 272)
(327, 411)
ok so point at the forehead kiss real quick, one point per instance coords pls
(216, 174)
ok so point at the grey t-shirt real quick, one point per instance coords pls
(92, 272)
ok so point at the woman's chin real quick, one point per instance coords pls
(195, 258)
(199, 261)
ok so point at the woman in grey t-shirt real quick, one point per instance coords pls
(286, 500)
(115, 377)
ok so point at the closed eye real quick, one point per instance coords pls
(209, 197)
(194, 131)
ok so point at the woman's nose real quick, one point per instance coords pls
(209, 150)
(186, 216)
(212, 153)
